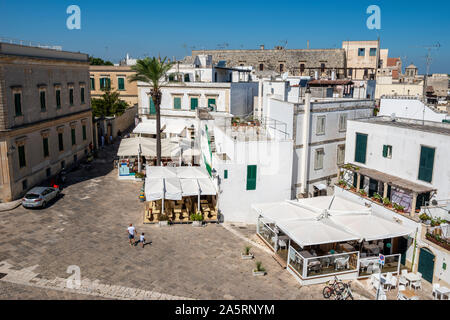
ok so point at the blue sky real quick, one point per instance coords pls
(110, 29)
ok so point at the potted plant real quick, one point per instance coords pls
(363, 193)
(399, 208)
(376, 197)
(352, 188)
(259, 271)
(246, 255)
(425, 218)
(163, 220)
(197, 219)
(342, 183)
(387, 202)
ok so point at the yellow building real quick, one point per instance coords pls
(117, 78)
(45, 115)
(364, 58)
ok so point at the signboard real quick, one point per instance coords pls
(381, 259)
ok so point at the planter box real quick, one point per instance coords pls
(197, 223)
(247, 257)
(258, 273)
(163, 223)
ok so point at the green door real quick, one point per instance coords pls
(152, 107)
(426, 264)
(402, 247)
(426, 164)
(251, 177)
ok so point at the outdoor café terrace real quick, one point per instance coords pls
(318, 238)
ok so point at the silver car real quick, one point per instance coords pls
(39, 197)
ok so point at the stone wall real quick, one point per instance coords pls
(291, 59)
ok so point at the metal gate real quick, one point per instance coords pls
(426, 264)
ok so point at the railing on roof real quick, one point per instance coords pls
(29, 43)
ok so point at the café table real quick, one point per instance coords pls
(443, 291)
(412, 277)
(408, 294)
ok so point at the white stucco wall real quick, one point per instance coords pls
(409, 108)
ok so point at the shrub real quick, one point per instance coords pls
(259, 267)
(386, 201)
(377, 196)
(362, 192)
(164, 217)
(247, 250)
(196, 217)
(399, 207)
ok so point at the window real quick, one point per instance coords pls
(350, 72)
(152, 106)
(82, 95)
(426, 163)
(105, 83)
(387, 151)
(58, 98)
(194, 103)
(42, 99)
(177, 103)
(361, 148)
(84, 132)
(74, 137)
(22, 159)
(92, 83)
(302, 68)
(373, 52)
(18, 104)
(341, 154)
(251, 177)
(366, 72)
(121, 83)
(60, 141)
(212, 103)
(25, 185)
(322, 67)
(342, 122)
(45, 147)
(186, 78)
(281, 67)
(71, 96)
(361, 52)
(261, 66)
(318, 160)
(225, 174)
(320, 128)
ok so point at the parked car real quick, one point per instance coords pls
(39, 197)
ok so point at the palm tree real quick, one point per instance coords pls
(153, 71)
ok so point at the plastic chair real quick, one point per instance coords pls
(400, 296)
(393, 283)
(403, 281)
(417, 284)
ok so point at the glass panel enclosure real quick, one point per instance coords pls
(265, 230)
(332, 264)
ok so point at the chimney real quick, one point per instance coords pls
(305, 150)
(307, 44)
(261, 47)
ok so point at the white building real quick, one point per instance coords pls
(254, 165)
(405, 163)
(319, 124)
(410, 107)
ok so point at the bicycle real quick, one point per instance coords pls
(346, 294)
(332, 288)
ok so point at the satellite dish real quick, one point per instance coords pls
(284, 76)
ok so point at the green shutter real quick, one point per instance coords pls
(426, 164)
(42, 96)
(251, 177)
(194, 103)
(225, 174)
(74, 139)
(60, 142)
(211, 102)
(385, 151)
(361, 148)
(18, 103)
(121, 84)
(108, 82)
(58, 99)
(82, 95)
(177, 103)
(92, 83)
(22, 160)
(84, 133)
(152, 107)
(45, 145)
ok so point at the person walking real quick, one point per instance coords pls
(103, 141)
(142, 239)
(131, 232)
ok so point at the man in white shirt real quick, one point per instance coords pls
(131, 232)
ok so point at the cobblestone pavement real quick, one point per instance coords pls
(87, 228)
